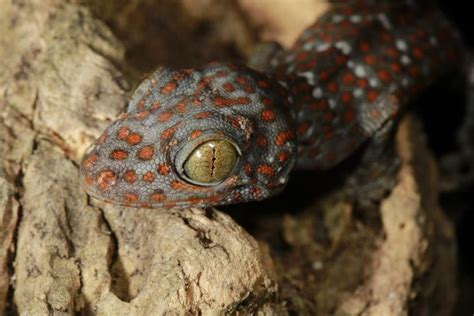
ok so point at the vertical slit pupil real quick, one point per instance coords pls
(213, 167)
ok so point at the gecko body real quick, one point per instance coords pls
(225, 133)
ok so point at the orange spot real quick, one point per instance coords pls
(169, 205)
(228, 87)
(134, 139)
(282, 156)
(157, 197)
(105, 179)
(204, 82)
(130, 198)
(301, 56)
(262, 84)
(362, 83)
(392, 52)
(248, 88)
(221, 73)
(266, 101)
(146, 153)
(340, 59)
(141, 104)
(311, 64)
(372, 95)
(196, 134)
(323, 75)
(169, 87)
(369, 59)
(268, 115)
(165, 116)
(417, 53)
(364, 46)
(142, 115)
(220, 101)
(256, 192)
(332, 87)
(241, 80)
(89, 180)
(130, 176)
(265, 170)
(248, 168)
(284, 136)
(149, 177)
(169, 132)
(181, 107)
(346, 97)
(119, 154)
(202, 115)
(163, 169)
(348, 78)
(349, 116)
(90, 161)
(123, 133)
(302, 128)
(386, 36)
(384, 75)
(395, 67)
(414, 71)
(319, 105)
(327, 133)
(155, 105)
(261, 140)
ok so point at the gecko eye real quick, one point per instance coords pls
(210, 162)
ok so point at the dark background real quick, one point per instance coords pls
(441, 123)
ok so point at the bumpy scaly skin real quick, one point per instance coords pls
(134, 161)
(340, 86)
(354, 69)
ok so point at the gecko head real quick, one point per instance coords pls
(221, 134)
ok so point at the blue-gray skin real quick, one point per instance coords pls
(171, 113)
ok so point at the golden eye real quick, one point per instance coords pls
(211, 162)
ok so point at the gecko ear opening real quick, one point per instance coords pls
(208, 161)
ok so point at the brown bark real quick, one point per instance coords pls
(62, 82)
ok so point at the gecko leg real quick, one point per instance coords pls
(263, 55)
(376, 174)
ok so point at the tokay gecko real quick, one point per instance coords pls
(227, 133)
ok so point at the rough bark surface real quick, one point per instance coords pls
(64, 77)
